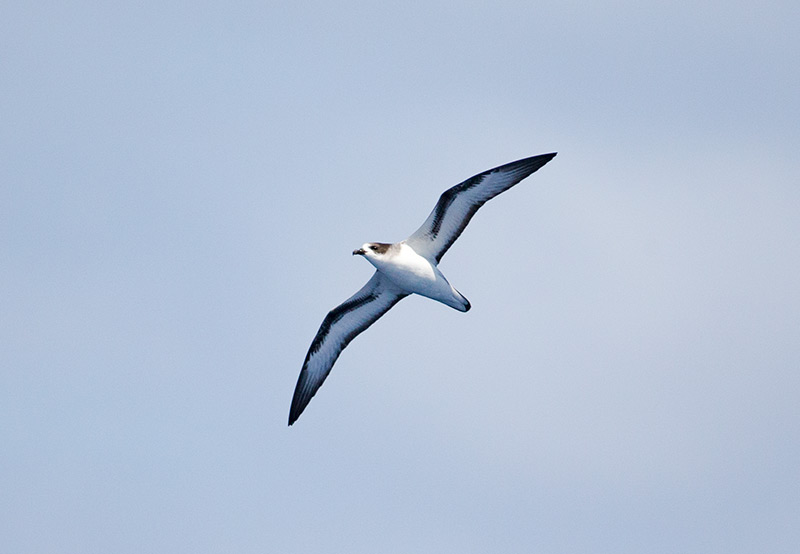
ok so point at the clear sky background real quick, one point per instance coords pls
(182, 184)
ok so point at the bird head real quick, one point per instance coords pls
(372, 250)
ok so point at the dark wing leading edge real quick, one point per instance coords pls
(457, 205)
(340, 326)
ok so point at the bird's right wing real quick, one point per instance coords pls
(340, 326)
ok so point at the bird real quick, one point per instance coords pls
(407, 267)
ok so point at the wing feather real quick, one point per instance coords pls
(458, 204)
(340, 326)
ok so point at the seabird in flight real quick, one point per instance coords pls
(403, 268)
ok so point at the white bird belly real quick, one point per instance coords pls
(416, 274)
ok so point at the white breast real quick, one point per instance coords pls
(416, 274)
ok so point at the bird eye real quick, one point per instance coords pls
(373, 247)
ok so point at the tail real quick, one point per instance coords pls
(463, 304)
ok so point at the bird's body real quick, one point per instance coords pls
(407, 267)
(413, 273)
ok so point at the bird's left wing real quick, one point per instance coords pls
(458, 204)
(340, 326)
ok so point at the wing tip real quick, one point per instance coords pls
(539, 160)
(521, 169)
(301, 398)
(531, 165)
(298, 406)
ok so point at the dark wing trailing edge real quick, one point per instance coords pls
(340, 326)
(457, 205)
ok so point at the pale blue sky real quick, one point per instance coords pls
(181, 185)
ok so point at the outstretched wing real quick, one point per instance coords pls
(457, 205)
(340, 326)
